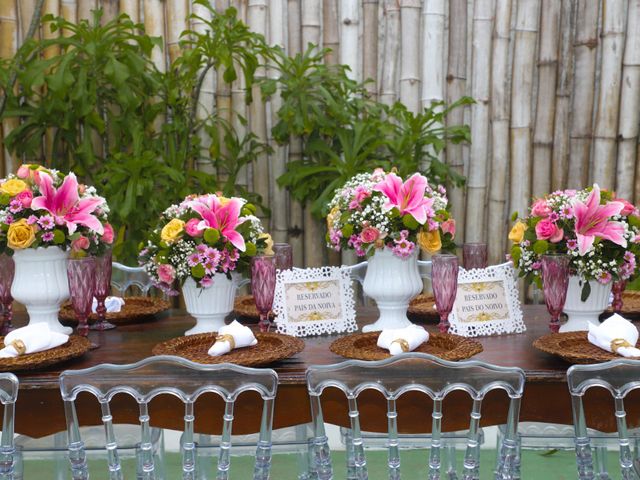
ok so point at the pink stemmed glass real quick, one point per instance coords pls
(474, 255)
(102, 290)
(263, 286)
(7, 270)
(284, 256)
(617, 289)
(555, 280)
(444, 280)
(81, 274)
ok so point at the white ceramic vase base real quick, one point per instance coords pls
(392, 282)
(210, 306)
(580, 314)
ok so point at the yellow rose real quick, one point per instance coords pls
(517, 232)
(268, 250)
(20, 235)
(429, 241)
(13, 187)
(332, 216)
(172, 230)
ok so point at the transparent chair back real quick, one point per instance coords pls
(395, 376)
(619, 377)
(175, 376)
(127, 281)
(8, 396)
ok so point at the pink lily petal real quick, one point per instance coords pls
(236, 239)
(585, 242)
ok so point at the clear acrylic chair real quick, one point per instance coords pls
(183, 379)
(619, 377)
(125, 279)
(395, 376)
(8, 396)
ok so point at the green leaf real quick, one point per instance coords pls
(516, 254)
(211, 236)
(410, 222)
(634, 221)
(540, 247)
(250, 249)
(197, 272)
(347, 230)
(58, 237)
(586, 291)
(514, 216)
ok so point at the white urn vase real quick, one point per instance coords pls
(211, 305)
(40, 284)
(392, 282)
(580, 314)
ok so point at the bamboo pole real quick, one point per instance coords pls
(50, 7)
(584, 51)
(8, 47)
(545, 109)
(239, 109)
(606, 121)
(153, 11)
(370, 30)
(222, 92)
(69, 10)
(85, 7)
(296, 217)
(331, 30)
(349, 44)
(560, 159)
(500, 108)
(311, 22)
(176, 18)
(433, 68)
(389, 75)
(629, 121)
(131, 8)
(409, 54)
(526, 32)
(480, 91)
(110, 10)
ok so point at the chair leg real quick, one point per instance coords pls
(601, 463)
(304, 459)
(350, 455)
(452, 472)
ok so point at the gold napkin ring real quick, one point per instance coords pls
(227, 338)
(19, 345)
(404, 345)
(617, 343)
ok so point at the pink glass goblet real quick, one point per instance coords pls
(102, 290)
(444, 280)
(81, 274)
(617, 289)
(284, 256)
(7, 271)
(555, 280)
(474, 255)
(263, 285)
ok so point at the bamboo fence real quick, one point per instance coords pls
(557, 84)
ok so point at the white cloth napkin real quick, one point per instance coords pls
(242, 337)
(36, 338)
(615, 328)
(113, 304)
(413, 335)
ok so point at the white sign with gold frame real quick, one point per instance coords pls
(487, 302)
(313, 301)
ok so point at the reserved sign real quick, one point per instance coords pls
(313, 301)
(481, 302)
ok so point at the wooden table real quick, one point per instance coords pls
(40, 411)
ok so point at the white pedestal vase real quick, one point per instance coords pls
(40, 284)
(210, 306)
(580, 313)
(392, 282)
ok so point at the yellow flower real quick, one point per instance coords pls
(517, 232)
(268, 250)
(332, 216)
(172, 230)
(429, 241)
(20, 235)
(223, 200)
(13, 187)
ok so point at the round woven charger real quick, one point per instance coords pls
(270, 348)
(75, 347)
(574, 348)
(423, 305)
(134, 310)
(363, 346)
(630, 303)
(245, 306)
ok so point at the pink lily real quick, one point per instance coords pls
(592, 220)
(224, 218)
(407, 197)
(65, 205)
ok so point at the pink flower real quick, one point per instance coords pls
(361, 193)
(354, 205)
(107, 236)
(536, 265)
(572, 244)
(46, 221)
(335, 236)
(47, 237)
(225, 217)
(540, 208)
(206, 282)
(193, 259)
(23, 172)
(192, 229)
(604, 278)
(546, 229)
(407, 197)
(166, 273)
(25, 197)
(449, 226)
(80, 243)
(592, 220)
(65, 205)
(559, 235)
(403, 248)
(33, 219)
(369, 234)
(15, 206)
(628, 208)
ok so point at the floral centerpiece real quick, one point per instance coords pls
(380, 216)
(44, 217)
(202, 245)
(599, 232)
